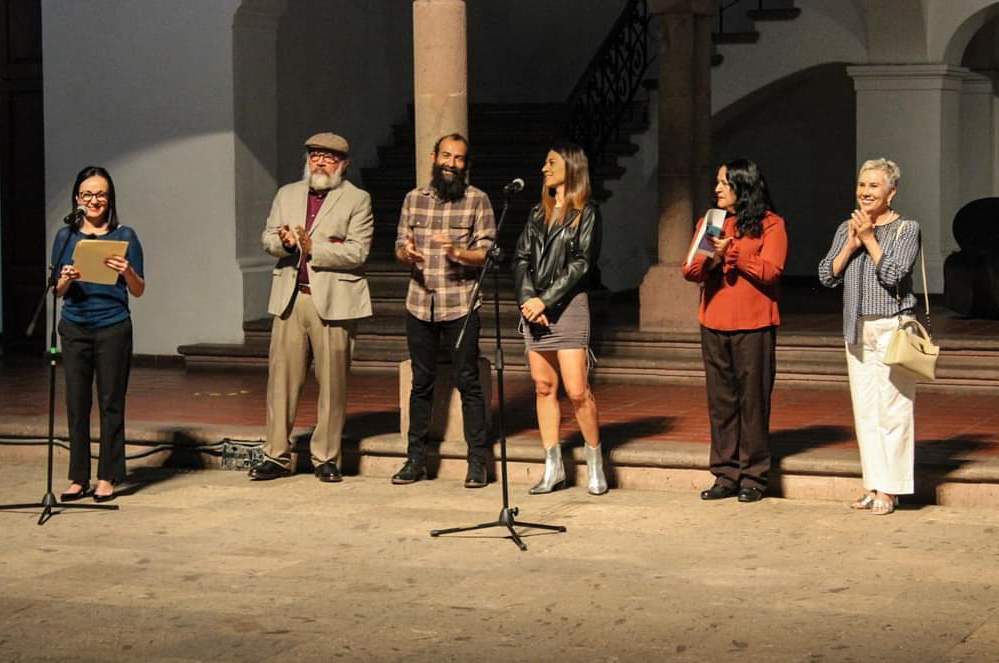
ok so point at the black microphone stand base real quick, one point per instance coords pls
(51, 506)
(508, 519)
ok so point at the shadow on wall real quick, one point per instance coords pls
(801, 130)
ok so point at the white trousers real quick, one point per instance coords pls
(883, 398)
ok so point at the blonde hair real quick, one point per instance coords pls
(577, 183)
(890, 169)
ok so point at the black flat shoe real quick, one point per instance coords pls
(476, 476)
(750, 494)
(268, 470)
(104, 498)
(72, 497)
(411, 472)
(719, 492)
(328, 472)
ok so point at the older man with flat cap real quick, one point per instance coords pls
(320, 231)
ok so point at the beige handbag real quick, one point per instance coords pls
(911, 346)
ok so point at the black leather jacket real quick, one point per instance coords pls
(556, 263)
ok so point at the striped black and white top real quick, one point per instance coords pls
(870, 290)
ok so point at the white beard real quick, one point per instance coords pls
(320, 181)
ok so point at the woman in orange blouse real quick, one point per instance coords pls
(739, 318)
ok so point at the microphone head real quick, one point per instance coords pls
(514, 186)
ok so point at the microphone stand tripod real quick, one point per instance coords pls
(508, 515)
(49, 502)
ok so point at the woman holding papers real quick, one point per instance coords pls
(96, 328)
(554, 266)
(739, 318)
(872, 256)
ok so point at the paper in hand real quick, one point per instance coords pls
(89, 256)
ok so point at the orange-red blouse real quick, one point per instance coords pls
(741, 291)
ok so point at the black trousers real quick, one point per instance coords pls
(104, 352)
(740, 367)
(424, 339)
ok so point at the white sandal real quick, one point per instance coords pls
(863, 503)
(883, 508)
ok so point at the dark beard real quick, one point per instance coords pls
(448, 191)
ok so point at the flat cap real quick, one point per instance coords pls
(329, 141)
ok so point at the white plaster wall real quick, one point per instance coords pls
(150, 98)
(825, 31)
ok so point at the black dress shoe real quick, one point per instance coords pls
(70, 497)
(476, 476)
(750, 494)
(411, 472)
(719, 492)
(328, 472)
(104, 498)
(268, 470)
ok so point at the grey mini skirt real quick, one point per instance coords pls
(572, 330)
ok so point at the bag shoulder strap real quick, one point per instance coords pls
(922, 269)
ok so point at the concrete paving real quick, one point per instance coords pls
(206, 565)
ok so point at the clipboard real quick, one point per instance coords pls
(89, 256)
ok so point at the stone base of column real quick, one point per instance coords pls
(667, 301)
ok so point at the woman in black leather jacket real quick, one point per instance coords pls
(554, 265)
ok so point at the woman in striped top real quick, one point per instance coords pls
(872, 255)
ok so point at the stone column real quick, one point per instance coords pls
(925, 141)
(440, 76)
(667, 300)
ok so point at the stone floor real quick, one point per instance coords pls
(206, 566)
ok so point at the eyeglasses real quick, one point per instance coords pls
(87, 196)
(316, 157)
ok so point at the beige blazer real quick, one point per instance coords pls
(341, 240)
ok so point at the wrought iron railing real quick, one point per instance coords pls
(608, 86)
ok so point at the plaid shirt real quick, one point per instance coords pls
(441, 289)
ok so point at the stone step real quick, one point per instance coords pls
(630, 356)
(799, 471)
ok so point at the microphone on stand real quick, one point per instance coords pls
(515, 186)
(75, 218)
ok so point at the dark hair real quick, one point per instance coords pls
(96, 171)
(457, 137)
(752, 199)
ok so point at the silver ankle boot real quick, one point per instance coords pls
(596, 482)
(554, 472)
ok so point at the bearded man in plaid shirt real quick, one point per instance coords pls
(445, 230)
